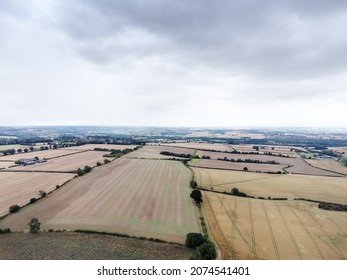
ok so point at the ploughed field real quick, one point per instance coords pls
(18, 187)
(246, 228)
(322, 188)
(80, 246)
(147, 198)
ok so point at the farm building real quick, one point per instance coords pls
(30, 161)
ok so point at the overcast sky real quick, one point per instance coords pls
(218, 63)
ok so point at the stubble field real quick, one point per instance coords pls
(19, 187)
(138, 197)
(248, 228)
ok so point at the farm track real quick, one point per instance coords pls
(235, 226)
(290, 233)
(226, 251)
(271, 232)
(307, 232)
(254, 248)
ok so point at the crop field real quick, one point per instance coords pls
(66, 163)
(137, 197)
(41, 154)
(248, 228)
(6, 164)
(153, 152)
(19, 187)
(16, 147)
(203, 146)
(80, 246)
(285, 150)
(102, 146)
(252, 167)
(328, 189)
(331, 165)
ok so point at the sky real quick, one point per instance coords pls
(200, 63)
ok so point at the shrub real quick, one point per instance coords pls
(197, 196)
(98, 163)
(42, 194)
(106, 161)
(80, 172)
(14, 208)
(34, 225)
(207, 251)
(32, 200)
(193, 184)
(194, 240)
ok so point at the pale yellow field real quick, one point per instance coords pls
(153, 152)
(19, 187)
(203, 146)
(102, 146)
(262, 229)
(328, 189)
(6, 164)
(41, 154)
(332, 165)
(67, 163)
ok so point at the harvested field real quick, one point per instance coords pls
(66, 163)
(6, 164)
(19, 187)
(137, 197)
(79, 246)
(331, 165)
(285, 150)
(16, 147)
(102, 146)
(258, 229)
(252, 167)
(153, 152)
(41, 154)
(329, 189)
(203, 146)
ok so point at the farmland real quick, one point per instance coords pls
(80, 246)
(332, 165)
(41, 154)
(19, 187)
(256, 229)
(329, 189)
(153, 152)
(202, 146)
(102, 146)
(67, 163)
(138, 197)
(10, 147)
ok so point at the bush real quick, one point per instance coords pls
(34, 225)
(42, 194)
(98, 163)
(194, 240)
(197, 196)
(106, 161)
(207, 251)
(32, 200)
(193, 184)
(5, 230)
(13, 208)
(80, 172)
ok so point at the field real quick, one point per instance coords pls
(248, 228)
(329, 189)
(41, 154)
(6, 164)
(79, 246)
(203, 146)
(153, 152)
(66, 163)
(297, 165)
(138, 197)
(220, 164)
(102, 146)
(19, 187)
(332, 165)
(16, 147)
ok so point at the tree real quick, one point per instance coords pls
(42, 194)
(207, 251)
(80, 172)
(106, 161)
(13, 208)
(245, 168)
(193, 184)
(31, 149)
(196, 195)
(34, 225)
(33, 200)
(194, 240)
(19, 150)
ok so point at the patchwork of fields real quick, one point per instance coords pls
(256, 229)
